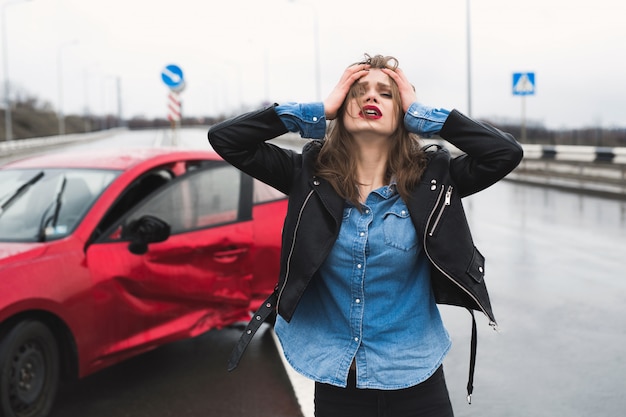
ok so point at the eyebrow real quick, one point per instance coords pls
(379, 84)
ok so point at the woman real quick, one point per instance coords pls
(374, 237)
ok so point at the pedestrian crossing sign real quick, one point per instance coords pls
(523, 83)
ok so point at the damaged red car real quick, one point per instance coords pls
(108, 254)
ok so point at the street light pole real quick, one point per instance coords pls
(8, 122)
(60, 115)
(86, 123)
(469, 63)
(316, 36)
(103, 96)
(316, 41)
(87, 110)
(118, 84)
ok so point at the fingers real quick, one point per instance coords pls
(354, 72)
(336, 98)
(398, 76)
(407, 91)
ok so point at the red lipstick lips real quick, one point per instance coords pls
(371, 112)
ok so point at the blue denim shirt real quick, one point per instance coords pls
(371, 301)
(309, 120)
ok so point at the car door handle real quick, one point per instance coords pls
(229, 255)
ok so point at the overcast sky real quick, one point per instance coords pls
(239, 53)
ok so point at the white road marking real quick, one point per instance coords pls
(303, 387)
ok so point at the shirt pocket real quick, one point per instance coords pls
(398, 229)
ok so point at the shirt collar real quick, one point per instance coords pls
(388, 191)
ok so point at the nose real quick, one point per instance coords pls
(371, 96)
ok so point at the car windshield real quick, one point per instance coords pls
(38, 205)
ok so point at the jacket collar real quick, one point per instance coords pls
(330, 199)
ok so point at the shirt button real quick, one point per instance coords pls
(367, 212)
(403, 212)
(359, 266)
(356, 339)
(362, 234)
(358, 300)
(315, 119)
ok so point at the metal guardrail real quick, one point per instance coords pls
(22, 145)
(593, 176)
(597, 154)
(591, 169)
(588, 169)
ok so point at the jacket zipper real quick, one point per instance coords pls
(443, 207)
(447, 203)
(293, 244)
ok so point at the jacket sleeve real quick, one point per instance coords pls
(488, 153)
(241, 141)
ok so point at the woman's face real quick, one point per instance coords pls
(373, 108)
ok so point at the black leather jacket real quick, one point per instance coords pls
(315, 210)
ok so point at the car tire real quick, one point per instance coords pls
(29, 370)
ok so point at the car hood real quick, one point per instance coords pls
(19, 252)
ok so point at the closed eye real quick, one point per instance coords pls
(384, 90)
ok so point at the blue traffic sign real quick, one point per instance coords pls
(523, 83)
(172, 76)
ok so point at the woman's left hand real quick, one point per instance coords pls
(407, 91)
(338, 95)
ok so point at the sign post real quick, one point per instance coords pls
(172, 76)
(173, 107)
(523, 85)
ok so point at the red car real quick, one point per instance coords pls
(104, 255)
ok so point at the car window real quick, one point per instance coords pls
(139, 189)
(263, 193)
(51, 205)
(202, 198)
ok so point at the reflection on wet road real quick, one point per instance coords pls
(556, 269)
(187, 378)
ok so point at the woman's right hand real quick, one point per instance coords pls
(407, 91)
(336, 98)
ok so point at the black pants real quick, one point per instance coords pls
(428, 399)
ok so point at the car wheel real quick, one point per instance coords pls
(29, 370)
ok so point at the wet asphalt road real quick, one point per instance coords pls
(187, 379)
(556, 270)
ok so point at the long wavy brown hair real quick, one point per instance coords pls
(336, 161)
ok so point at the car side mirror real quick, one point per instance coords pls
(146, 229)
